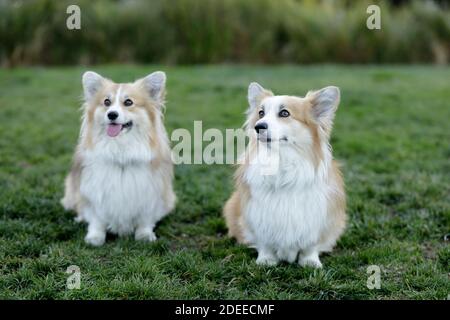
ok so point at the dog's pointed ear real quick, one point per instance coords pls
(256, 93)
(324, 105)
(92, 82)
(155, 84)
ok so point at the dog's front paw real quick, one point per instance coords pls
(266, 260)
(95, 240)
(145, 235)
(310, 262)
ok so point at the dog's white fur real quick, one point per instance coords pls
(300, 207)
(121, 184)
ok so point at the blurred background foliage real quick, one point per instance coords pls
(220, 31)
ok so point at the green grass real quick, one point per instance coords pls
(391, 134)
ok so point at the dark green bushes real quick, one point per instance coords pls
(215, 31)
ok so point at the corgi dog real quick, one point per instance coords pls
(122, 171)
(298, 210)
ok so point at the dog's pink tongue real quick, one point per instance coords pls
(113, 129)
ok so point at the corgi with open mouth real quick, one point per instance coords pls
(297, 211)
(122, 171)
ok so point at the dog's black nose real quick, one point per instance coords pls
(261, 126)
(113, 115)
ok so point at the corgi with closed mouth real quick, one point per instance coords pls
(297, 211)
(122, 171)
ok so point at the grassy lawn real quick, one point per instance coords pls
(391, 133)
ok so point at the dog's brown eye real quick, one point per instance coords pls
(261, 113)
(128, 102)
(107, 102)
(284, 113)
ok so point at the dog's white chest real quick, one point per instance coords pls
(287, 219)
(120, 195)
(287, 209)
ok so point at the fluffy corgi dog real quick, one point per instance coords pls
(121, 176)
(298, 210)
